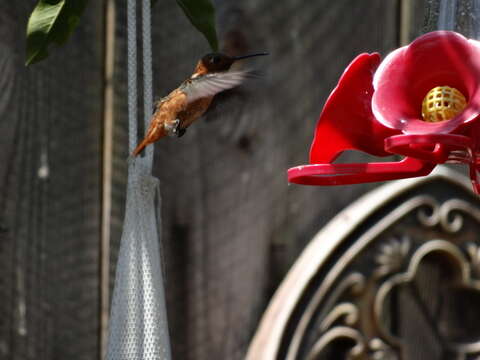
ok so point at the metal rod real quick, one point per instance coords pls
(405, 21)
(107, 171)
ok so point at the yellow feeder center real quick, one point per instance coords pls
(442, 103)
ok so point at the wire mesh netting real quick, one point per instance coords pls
(138, 324)
(50, 135)
(231, 226)
(229, 219)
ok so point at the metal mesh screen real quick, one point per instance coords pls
(50, 133)
(231, 225)
(138, 323)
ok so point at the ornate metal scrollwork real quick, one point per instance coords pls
(392, 256)
(396, 262)
(405, 285)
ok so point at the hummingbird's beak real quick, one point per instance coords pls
(235, 58)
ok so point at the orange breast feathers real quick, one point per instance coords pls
(194, 111)
(167, 111)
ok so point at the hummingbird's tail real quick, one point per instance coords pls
(152, 136)
(140, 147)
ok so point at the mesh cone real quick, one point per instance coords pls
(138, 323)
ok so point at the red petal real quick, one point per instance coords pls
(439, 58)
(346, 121)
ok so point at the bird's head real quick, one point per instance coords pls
(217, 62)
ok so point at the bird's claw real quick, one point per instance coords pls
(172, 129)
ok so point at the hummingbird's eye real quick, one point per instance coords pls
(215, 59)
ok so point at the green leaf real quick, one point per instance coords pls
(201, 14)
(52, 21)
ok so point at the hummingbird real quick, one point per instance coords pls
(175, 112)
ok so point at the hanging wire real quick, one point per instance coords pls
(147, 73)
(461, 16)
(138, 328)
(475, 19)
(446, 16)
(132, 73)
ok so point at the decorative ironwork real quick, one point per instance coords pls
(403, 282)
(392, 256)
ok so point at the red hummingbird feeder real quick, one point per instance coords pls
(422, 102)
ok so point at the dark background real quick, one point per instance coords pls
(232, 226)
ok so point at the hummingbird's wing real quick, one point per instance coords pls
(214, 83)
(233, 100)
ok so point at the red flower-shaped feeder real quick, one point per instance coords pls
(422, 102)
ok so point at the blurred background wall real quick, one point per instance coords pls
(232, 225)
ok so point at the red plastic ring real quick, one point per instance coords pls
(435, 148)
(346, 174)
